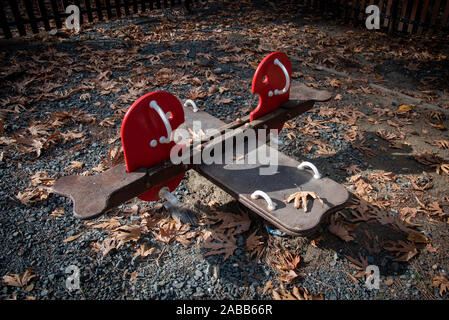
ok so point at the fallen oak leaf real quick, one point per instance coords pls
(254, 245)
(442, 282)
(301, 197)
(288, 277)
(19, 280)
(142, 251)
(76, 236)
(127, 233)
(404, 250)
(340, 230)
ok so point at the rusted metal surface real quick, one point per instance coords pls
(94, 195)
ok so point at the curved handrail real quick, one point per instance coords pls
(155, 106)
(316, 173)
(271, 206)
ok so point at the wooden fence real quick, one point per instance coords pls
(411, 16)
(20, 17)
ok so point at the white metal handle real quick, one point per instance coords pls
(192, 103)
(165, 193)
(287, 79)
(155, 106)
(316, 174)
(271, 206)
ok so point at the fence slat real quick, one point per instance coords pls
(31, 16)
(117, 8)
(444, 21)
(89, 10)
(43, 12)
(423, 15)
(413, 16)
(126, 5)
(381, 7)
(17, 17)
(436, 9)
(403, 14)
(54, 8)
(5, 26)
(99, 10)
(388, 12)
(108, 8)
(360, 15)
(135, 6)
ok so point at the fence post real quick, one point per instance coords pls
(394, 18)
(5, 25)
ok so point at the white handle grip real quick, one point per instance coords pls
(192, 103)
(316, 174)
(287, 79)
(155, 106)
(271, 206)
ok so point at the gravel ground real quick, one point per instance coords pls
(210, 42)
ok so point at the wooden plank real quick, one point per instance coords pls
(388, 12)
(445, 20)
(126, 5)
(394, 17)
(403, 14)
(436, 10)
(413, 16)
(109, 8)
(31, 16)
(89, 10)
(381, 7)
(135, 6)
(423, 15)
(56, 14)
(43, 11)
(99, 11)
(17, 17)
(117, 8)
(4, 22)
(347, 11)
(361, 15)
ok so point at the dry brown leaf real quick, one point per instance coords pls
(404, 250)
(288, 276)
(254, 245)
(75, 165)
(69, 239)
(442, 282)
(301, 197)
(340, 230)
(105, 224)
(142, 251)
(19, 280)
(105, 246)
(125, 234)
(221, 243)
(58, 212)
(268, 287)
